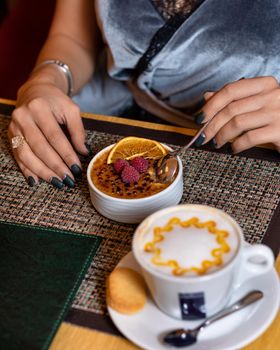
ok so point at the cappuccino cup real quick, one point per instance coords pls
(193, 257)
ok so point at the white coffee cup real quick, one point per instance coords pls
(134, 210)
(193, 296)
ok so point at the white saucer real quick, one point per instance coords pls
(233, 332)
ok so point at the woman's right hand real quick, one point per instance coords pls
(47, 153)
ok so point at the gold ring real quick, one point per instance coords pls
(18, 141)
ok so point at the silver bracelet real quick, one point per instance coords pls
(64, 68)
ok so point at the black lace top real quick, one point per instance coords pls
(170, 8)
(175, 12)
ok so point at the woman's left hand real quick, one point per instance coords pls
(246, 111)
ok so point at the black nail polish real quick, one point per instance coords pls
(90, 152)
(200, 140)
(76, 170)
(68, 181)
(31, 182)
(213, 144)
(56, 183)
(199, 118)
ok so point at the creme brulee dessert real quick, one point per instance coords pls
(128, 169)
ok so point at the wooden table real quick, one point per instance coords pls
(72, 337)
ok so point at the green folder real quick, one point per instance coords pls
(40, 272)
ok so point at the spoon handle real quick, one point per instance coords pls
(196, 136)
(238, 305)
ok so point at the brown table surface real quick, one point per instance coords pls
(72, 337)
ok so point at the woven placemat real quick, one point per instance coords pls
(246, 188)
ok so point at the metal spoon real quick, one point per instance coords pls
(185, 337)
(167, 166)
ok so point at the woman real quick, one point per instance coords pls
(166, 56)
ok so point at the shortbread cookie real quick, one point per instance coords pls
(126, 291)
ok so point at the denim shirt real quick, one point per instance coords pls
(222, 41)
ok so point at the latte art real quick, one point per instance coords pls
(176, 228)
(189, 247)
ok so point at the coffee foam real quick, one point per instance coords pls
(190, 246)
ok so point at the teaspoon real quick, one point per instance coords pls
(185, 337)
(167, 166)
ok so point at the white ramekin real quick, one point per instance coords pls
(134, 210)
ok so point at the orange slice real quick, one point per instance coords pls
(131, 147)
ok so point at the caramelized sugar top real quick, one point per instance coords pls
(106, 179)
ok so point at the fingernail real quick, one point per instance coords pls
(31, 182)
(208, 92)
(56, 183)
(88, 147)
(213, 144)
(76, 170)
(199, 118)
(200, 140)
(68, 181)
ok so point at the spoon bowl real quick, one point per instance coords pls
(168, 165)
(167, 168)
(181, 337)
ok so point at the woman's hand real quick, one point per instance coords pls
(47, 153)
(42, 103)
(246, 111)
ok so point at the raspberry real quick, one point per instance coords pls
(139, 163)
(120, 164)
(130, 174)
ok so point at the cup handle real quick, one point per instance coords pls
(256, 259)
